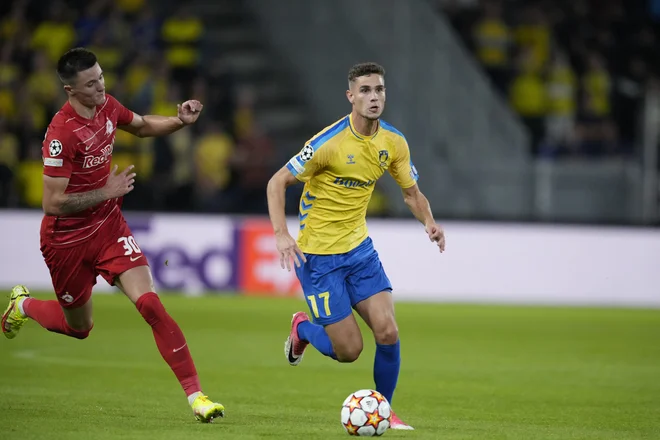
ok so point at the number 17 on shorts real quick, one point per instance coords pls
(319, 304)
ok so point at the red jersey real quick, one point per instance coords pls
(80, 149)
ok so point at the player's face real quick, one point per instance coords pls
(88, 87)
(367, 94)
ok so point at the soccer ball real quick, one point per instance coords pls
(366, 413)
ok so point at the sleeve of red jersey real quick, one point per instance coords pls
(58, 151)
(124, 115)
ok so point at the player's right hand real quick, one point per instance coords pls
(289, 250)
(120, 184)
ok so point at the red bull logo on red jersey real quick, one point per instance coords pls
(92, 161)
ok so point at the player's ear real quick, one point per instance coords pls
(349, 96)
(68, 89)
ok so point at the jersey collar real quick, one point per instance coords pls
(358, 135)
(68, 108)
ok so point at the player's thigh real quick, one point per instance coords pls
(346, 339)
(73, 277)
(80, 318)
(370, 291)
(135, 282)
(324, 287)
(378, 312)
(121, 262)
(366, 276)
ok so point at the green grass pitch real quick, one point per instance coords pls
(468, 372)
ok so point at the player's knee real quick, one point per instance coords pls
(388, 334)
(80, 330)
(348, 356)
(80, 334)
(82, 324)
(349, 353)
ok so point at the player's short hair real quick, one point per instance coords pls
(363, 69)
(74, 61)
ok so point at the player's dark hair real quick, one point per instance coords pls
(363, 69)
(74, 61)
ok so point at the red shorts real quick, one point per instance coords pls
(110, 252)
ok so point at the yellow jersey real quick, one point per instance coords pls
(340, 167)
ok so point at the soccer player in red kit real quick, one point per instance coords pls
(83, 232)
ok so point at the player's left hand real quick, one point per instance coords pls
(189, 111)
(437, 234)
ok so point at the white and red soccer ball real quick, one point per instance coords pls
(366, 413)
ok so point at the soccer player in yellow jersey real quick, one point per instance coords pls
(334, 257)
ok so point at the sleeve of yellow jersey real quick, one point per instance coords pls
(308, 162)
(401, 167)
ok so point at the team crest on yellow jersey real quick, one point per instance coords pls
(383, 155)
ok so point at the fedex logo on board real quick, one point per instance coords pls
(201, 254)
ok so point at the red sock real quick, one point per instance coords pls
(170, 341)
(50, 316)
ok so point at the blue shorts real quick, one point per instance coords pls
(334, 284)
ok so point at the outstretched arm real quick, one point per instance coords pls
(155, 125)
(419, 206)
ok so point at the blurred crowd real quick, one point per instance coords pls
(152, 61)
(576, 71)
